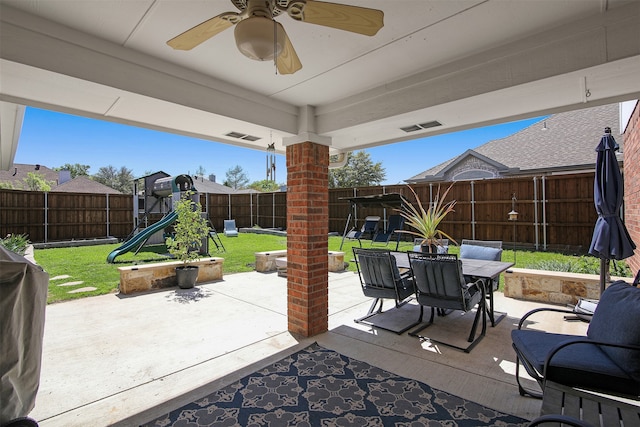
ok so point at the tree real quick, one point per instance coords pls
(236, 178)
(6, 185)
(36, 182)
(266, 185)
(201, 171)
(121, 180)
(76, 169)
(359, 171)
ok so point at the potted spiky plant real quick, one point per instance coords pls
(189, 232)
(426, 222)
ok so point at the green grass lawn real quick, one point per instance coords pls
(87, 264)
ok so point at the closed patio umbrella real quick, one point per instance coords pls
(611, 239)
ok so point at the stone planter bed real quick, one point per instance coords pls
(554, 287)
(138, 278)
(268, 261)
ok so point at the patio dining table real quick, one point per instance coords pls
(475, 268)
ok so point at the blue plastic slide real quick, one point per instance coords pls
(139, 238)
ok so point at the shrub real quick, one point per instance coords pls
(553, 265)
(189, 230)
(16, 243)
(584, 264)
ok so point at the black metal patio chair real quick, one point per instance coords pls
(381, 279)
(440, 284)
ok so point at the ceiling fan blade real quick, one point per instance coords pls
(204, 31)
(355, 19)
(288, 61)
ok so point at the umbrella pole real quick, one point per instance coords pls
(604, 273)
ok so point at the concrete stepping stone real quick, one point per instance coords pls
(85, 289)
(62, 276)
(80, 282)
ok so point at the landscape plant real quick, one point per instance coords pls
(189, 230)
(16, 243)
(582, 264)
(426, 222)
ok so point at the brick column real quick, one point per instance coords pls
(307, 238)
(632, 184)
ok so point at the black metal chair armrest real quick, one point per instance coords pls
(537, 310)
(480, 284)
(562, 419)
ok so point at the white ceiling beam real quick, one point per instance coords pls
(33, 41)
(11, 118)
(590, 42)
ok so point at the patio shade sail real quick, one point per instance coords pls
(611, 240)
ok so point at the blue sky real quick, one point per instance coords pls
(53, 139)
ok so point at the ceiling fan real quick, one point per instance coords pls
(260, 37)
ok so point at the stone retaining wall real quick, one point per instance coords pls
(554, 287)
(138, 278)
(266, 261)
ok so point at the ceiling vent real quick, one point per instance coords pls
(242, 136)
(421, 126)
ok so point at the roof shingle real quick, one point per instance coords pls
(567, 141)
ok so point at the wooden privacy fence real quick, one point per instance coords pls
(554, 212)
(47, 217)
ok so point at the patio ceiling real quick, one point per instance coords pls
(464, 64)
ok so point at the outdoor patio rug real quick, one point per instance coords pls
(319, 387)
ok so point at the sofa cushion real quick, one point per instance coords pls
(577, 365)
(616, 321)
(480, 252)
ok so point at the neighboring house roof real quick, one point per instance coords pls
(561, 142)
(203, 185)
(19, 172)
(60, 180)
(84, 184)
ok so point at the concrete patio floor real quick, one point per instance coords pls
(123, 360)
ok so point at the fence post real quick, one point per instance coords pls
(46, 217)
(273, 210)
(536, 226)
(430, 194)
(136, 205)
(473, 211)
(229, 207)
(355, 207)
(384, 211)
(544, 213)
(107, 199)
(251, 209)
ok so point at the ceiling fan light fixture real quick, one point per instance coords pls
(255, 38)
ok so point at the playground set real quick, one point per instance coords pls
(158, 197)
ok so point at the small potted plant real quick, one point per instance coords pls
(189, 231)
(426, 222)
